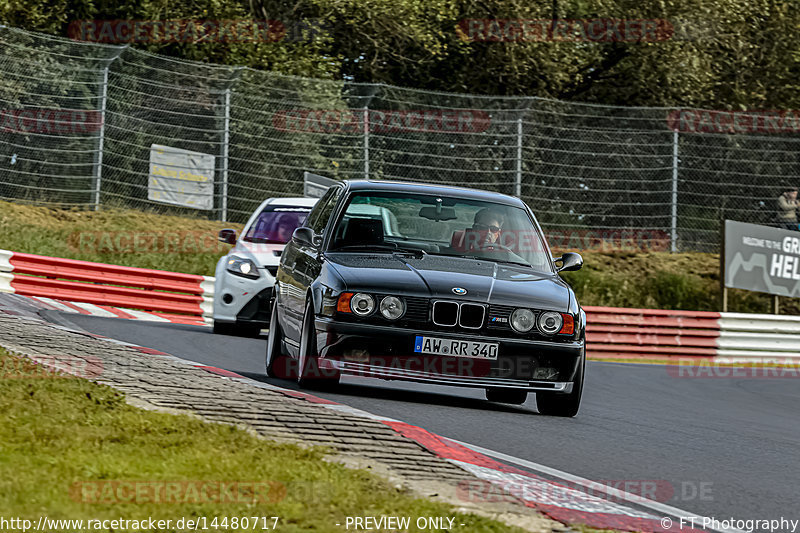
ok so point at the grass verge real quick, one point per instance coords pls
(658, 280)
(69, 446)
(118, 236)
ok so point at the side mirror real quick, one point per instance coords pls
(306, 237)
(228, 236)
(569, 261)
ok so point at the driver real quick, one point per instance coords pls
(285, 228)
(489, 221)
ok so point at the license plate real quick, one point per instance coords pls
(455, 348)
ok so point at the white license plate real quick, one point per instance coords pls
(455, 348)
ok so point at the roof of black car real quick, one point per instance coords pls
(425, 188)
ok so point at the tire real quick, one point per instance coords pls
(512, 396)
(309, 374)
(235, 330)
(276, 364)
(564, 405)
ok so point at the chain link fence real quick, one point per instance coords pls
(78, 121)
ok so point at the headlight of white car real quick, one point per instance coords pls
(242, 267)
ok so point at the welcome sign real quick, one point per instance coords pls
(762, 259)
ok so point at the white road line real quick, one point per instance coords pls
(594, 486)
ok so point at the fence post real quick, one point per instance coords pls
(674, 224)
(518, 182)
(224, 153)
(366, 142)
(226, 138)
(98, 156)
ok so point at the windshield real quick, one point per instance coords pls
(440, 225)
(276, 224)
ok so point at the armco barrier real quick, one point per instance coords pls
(102, 284)
(762, 337)
(611, 332)
(618, 333)
(615, 332)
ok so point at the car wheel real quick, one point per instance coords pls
(277, 365)
(236, 330)
(559, 404)
(309, 373)
(513, 396)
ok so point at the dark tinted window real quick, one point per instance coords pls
(321, 213)
(276, 224)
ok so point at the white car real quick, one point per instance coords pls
(245, 277)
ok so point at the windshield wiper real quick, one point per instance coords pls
(482, 258)
(382, 247)
(413, 251)
(367, 247)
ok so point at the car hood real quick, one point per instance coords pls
(262, 253)
(436, 277)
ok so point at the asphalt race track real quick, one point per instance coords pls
(729, 447)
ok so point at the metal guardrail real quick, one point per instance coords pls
(614, 332)
(618, 333)
(103, 284)
(611, 332)
(765, 337)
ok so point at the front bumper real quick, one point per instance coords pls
(387, 352)
(242, 300)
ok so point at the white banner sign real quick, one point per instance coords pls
(181, 177)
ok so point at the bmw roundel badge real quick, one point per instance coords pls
(460, 291)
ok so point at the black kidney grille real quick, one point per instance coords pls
(445, 313)
(472, 316)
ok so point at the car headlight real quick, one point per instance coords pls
(523, 320)
(362, 304)
(550, 322)
(242, 267)
(392, 307)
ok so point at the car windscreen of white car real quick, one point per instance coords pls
(276, 225)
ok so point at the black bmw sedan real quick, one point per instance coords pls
(431, 284)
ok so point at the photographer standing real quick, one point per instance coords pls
(787, 209)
